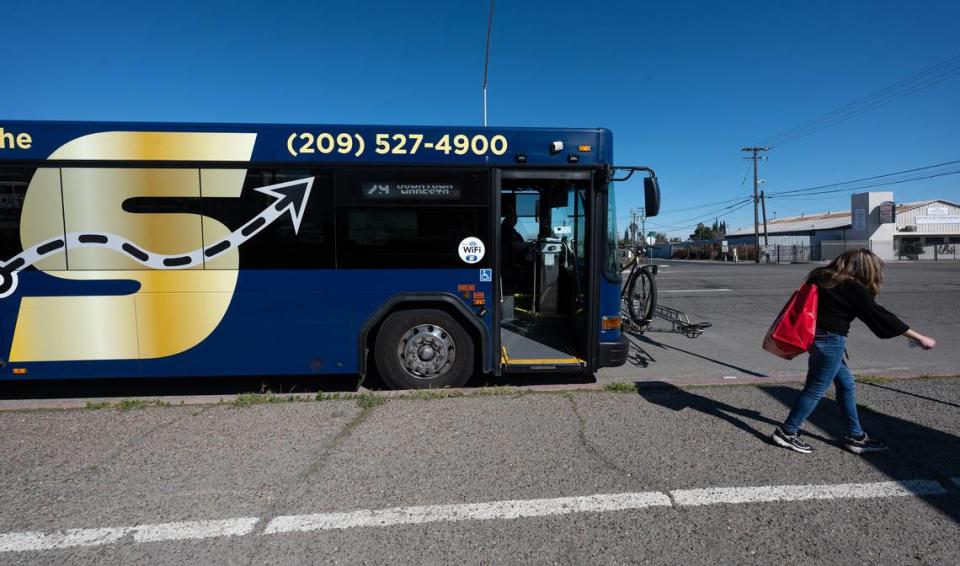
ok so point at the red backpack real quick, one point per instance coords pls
(791, 334)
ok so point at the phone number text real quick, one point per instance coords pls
(345, 143)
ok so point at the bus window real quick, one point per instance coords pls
(612, 259)
(405, 219)
(48, 223)
(277, 245)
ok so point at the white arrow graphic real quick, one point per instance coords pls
(290, 196)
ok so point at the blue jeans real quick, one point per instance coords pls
(826, 365)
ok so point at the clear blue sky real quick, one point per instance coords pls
(683, 86)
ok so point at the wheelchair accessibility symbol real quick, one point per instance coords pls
(486, 275)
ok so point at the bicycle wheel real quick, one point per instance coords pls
(642, 297)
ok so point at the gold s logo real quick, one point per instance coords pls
(173, 310)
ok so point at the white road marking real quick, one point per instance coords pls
(468, 512)
(694, 290)
(187, 530)
(195, 529)
(19, 542)
(510, 509)
(716, 495)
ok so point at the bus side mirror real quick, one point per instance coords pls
(651, 195)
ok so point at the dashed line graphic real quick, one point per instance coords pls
(291, 196)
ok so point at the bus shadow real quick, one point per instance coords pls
(916, 451)
(147, 387)
(523, 379)
(638, 356)
(652, 342)
(234, 385)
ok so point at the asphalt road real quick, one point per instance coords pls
(741, 300)
(571, 478)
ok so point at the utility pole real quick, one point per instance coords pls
(643, 225)
(763, 206)
(755, 151)
(641, 215)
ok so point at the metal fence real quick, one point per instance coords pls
(889, 250)
(929, 252)
(894, 250)
(781, 253)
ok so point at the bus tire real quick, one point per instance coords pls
(423, 349)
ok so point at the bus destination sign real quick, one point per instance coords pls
(411, 191)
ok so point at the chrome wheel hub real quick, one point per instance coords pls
(426, 351)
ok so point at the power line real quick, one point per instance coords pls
(884, 184)
(910, 85)
(864, 110)
(905, 87)
(704, 205)
(694, 220)
(707, 215)
(687, 226)
(861, 179)
(744, 180)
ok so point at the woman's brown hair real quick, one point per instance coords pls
(859, 265)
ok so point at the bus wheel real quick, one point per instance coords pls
(421, 349)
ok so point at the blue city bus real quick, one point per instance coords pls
(427, 254)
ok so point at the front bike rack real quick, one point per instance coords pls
(681, 324)
(678, 319)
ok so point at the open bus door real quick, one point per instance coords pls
(546, 270)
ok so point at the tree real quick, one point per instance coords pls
(703, 233)
(661, 238)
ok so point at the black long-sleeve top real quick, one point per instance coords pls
(838, 306)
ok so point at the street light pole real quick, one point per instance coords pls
(486, 64)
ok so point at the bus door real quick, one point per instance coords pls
(545, 278)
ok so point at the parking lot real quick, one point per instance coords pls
(741, 300)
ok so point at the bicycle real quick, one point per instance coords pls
(638, 297)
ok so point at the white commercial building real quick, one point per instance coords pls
(927, 229)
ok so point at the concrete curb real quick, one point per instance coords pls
(8, 405)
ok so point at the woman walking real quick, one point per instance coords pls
(847, 289)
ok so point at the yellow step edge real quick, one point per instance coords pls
(505, 359)
(543, 361)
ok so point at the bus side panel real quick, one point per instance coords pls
(278, 323)
(36, 284)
